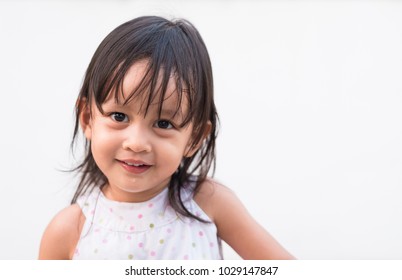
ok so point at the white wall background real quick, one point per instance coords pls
(310, 100)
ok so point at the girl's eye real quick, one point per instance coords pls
(119, 117)
(164, 124)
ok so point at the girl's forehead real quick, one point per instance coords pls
(134, 77)
(136, 88)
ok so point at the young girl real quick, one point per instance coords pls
(147, 111)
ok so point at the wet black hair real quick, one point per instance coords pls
(172, 48)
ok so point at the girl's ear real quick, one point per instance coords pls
(192, 149)
(85, 117)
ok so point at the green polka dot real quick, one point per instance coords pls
(193, 244)
(86, 204)
(151, 225)
(161, 241)
(130, 257)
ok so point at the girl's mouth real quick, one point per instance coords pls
(134, 167)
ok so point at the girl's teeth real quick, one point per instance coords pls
(133, 164)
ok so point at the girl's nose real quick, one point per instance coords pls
(137, 139)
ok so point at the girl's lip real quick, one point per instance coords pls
(128, 166)
(132, 162)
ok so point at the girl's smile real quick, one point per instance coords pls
(134, 166)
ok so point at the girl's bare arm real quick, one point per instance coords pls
(62, 234)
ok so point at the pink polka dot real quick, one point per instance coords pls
(76, 252)
(104, 240)
(197, 214)
(200, 233)
(111, 209)
(128, 237)
(211, 244)
(150, 205)
(139, 216)
(97, 230)
(140, 244)
(132, 228)
(92, 212)
(185, 257)
(169, 230)
(153, 253)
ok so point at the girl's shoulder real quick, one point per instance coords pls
(62, 234)
(212, 197)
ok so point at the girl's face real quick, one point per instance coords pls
(138, 154)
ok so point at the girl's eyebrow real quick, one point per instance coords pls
(113, 105)
(172, 113)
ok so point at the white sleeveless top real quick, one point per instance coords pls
(146, 230)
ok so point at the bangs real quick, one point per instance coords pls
(170, 58)
(151, 88)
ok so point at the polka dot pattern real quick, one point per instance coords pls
(146, 230)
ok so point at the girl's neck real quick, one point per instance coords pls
(117, 194)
